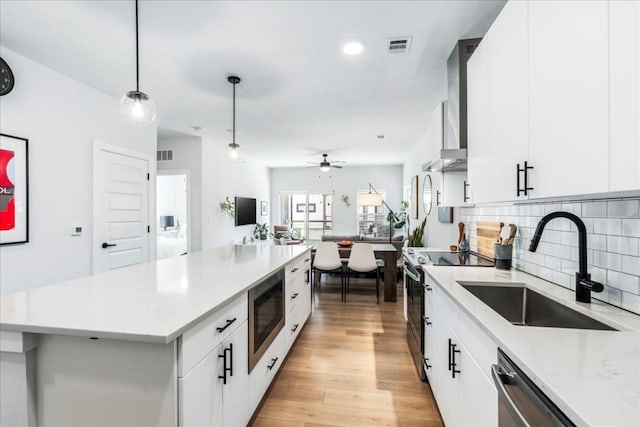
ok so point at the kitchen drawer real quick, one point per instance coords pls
(294, 289)
(298, 266)
(294, 324)
(198, 341)
(266, 368)
(480, 346)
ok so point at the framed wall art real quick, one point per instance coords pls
(264, 208)
(14, 190)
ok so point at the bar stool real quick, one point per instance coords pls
(362, 260)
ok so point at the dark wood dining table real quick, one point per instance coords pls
(389, 254)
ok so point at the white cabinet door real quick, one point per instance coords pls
(624, 56)
(454, 189)
(200, 393)
(478, 125)
(236, 392)
(568, 97)
(508, 80)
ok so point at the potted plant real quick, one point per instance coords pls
(261, 231)
(417, 238)
(228, 207)
(400, 219)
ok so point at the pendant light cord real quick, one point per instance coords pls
(234, 113)
(137, 60)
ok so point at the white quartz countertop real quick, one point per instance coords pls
(153, 302)
(592, 376)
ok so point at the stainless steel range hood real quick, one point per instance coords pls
(453, 155)
(450, 159)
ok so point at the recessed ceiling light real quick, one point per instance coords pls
(352, 48)
(381, 137)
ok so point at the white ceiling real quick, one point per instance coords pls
(299, 96)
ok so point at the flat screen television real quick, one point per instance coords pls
(245, 211)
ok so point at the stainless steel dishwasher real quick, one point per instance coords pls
(520, 402)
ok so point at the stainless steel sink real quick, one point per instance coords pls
(522, 306)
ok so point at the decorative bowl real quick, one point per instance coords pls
(345, 243)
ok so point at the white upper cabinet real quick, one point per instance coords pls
(568, 97)
(478, 124)
(624, 57)
(508, 108)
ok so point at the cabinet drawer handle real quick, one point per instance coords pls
(295, 327)
(307, 259)
(437, 197)
(452, 359)
(229, 322)
(308, 274)
(426, 320)
(223, 377)
(526, 178)
(294, 296)
(273, 363)
(293, 270)
(427, 287)
(426, 363)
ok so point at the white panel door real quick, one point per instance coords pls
(568, 94)
(235, 393)
(121, 211)
(624, 56)
(478, 124)
(508, 77)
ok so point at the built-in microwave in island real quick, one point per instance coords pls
(266, 315)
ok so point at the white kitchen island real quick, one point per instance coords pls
(117, 348)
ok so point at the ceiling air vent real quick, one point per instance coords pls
(398, 45)
(164, 155)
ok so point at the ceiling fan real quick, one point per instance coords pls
(325, 165)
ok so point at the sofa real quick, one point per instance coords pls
(282, 236)
(397, 241)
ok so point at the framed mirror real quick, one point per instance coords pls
(426, 194)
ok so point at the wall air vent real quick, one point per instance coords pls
(398, 45)
(164, 155)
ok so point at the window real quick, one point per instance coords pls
(309, 215)
(372, 215)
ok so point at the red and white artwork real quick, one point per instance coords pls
(13, 190)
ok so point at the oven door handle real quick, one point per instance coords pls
(499, 377)
(412, 276)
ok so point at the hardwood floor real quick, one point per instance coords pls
(350, 367)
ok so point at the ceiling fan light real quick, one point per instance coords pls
(137, 108)
(325, 166)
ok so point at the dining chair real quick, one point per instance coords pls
(362, 260)
(327, 260)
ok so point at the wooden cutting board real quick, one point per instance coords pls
(488, 233)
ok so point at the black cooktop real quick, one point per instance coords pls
(457, 259)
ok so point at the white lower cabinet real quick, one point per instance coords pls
(465, 395)
(214, 393)
(264, 371)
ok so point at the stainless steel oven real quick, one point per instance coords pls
(520, 402)
(266, 315)
(413, 280)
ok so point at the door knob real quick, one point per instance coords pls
(106, 245)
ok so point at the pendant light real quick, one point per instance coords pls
(137, 107)
(234, 147)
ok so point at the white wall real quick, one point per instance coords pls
(60, 117)
(438, 234)
(187, 155)
(221, 178)
(346, 181)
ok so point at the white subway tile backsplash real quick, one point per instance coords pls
(613, 242)
(630, 264)
(607, 260)
(631, 302)
(594, 209)
(607, 226)
(623, 208)
(623, 245)
(631, 227)
(625, 282)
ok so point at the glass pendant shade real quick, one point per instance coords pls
(234, 151)
(137, 108)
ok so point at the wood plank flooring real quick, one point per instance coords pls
(350, 367)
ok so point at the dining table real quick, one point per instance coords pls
(389, 254)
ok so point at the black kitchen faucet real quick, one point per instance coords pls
(584, 284)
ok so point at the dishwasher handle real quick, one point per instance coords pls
(500, 377)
